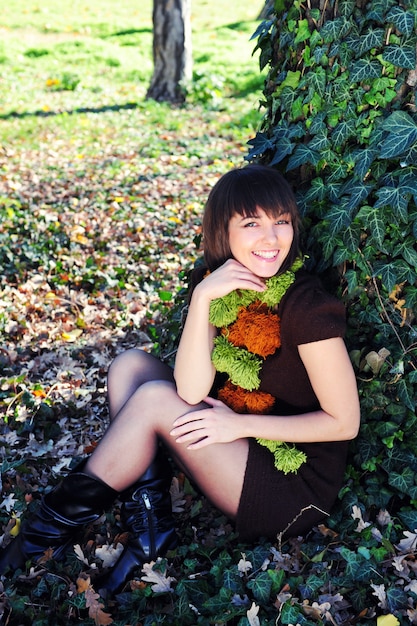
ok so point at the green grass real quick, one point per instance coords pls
(65, 57)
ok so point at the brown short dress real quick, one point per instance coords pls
(272, 502)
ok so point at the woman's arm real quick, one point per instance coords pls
(333, 380)
(194, 372)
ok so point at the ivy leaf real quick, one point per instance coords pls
(403, 481)
(287, 98)
(318, 124)
(303, 32)
(219, 603)
(232, 580)
(403, 20)
(410, 157)
(317, 81)
(402, 132)
(410, 303)
(261, 587)
(319, 142)
(317, 190)
(339, 218)
(335, 29)
(396, 599)
(364, 69)
(363, 160)
(284, 147)
(196, 591)
(374, 223)
(338, 173)
(401, 56)
(388, 275)
(406, 394)
(409, 184)
(343, 131)
(409, 518)
(353, 562)
(260, 144)
(373, 39)
(311, 586)
(400, 123)
(302, 155)
(291, 614)
(351, 238)
(352, 280)
(406, 250)
(393, 197)
(358, 193)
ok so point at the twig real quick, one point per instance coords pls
(306, 508)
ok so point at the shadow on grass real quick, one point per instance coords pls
(41, 113)
(130, 31)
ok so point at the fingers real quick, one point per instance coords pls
(186, 425)
(191, 431)
(231, 275)
(205, 426)
(241, 276)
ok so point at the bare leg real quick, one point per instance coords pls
(129, 445)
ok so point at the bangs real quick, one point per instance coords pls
(252, 210)
(256, 188)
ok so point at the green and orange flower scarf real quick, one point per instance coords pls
(250, 331)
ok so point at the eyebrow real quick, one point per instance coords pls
(284, 214)
(249, 217)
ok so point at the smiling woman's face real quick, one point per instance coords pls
(261, 243)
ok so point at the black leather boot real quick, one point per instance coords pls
(78, 500)
(146, 512)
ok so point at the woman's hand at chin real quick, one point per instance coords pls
(228, 277)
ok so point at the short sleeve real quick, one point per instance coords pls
(310, 313)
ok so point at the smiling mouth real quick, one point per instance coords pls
(266, 254)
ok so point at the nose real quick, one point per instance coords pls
(270, 234)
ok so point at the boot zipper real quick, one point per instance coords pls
(148, 507)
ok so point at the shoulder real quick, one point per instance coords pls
(310, 313)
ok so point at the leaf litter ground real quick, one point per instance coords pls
(96, 240)
(98, 231)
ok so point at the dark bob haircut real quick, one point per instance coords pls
(241, 191)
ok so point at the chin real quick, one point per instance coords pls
(267, 274)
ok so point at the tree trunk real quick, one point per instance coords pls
(172, 51)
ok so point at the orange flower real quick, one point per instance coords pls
(257, 329)
(243, 401)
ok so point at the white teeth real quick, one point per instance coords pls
(266, 255)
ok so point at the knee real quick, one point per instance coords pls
(157, 392)
(128, 362)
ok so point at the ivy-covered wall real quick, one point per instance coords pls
(341, 123)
